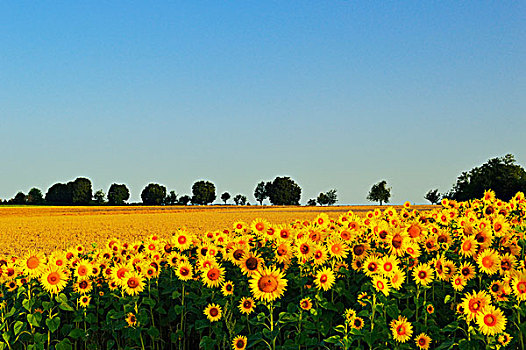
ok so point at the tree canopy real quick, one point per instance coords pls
(283, 191)
(35, 196)
(328, 198)
(260, 193)
(203, 192)
(501, 175)
(379, 193)
(153, 194)
(433, 196)
(225, 197)
(118, 194)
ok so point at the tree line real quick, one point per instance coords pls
(280, 191)
(502, 175)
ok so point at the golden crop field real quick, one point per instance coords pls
(47, 228)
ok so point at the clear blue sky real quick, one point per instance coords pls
(335, 94)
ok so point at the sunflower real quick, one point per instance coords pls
(458, 283)
(397, 279)
(488, 261)
(118, 272)
(268, 284)
(469, 246)
(303, 250)
(371, 265)
(131, 320)
(339, 249)
(396, 241)
(83, 286)
(84, 301)
(359, 250)
(239, 226)
(213, 276)
(381, 284)
(474, 303)
(423, 274)
(134, 283)
(467, 270)
(259, 227)
(251, 263)
(324, 279)
(423, 341)
(319, 254)
(33, 263)
(491, 320)
(227, 288)
(246, 305)
(508, 263)
(236, 254)
(430, 309)
(184, 271)
(388, 265)
(306, 303)
(412, 249)
(518, 284)
(283, 253)
(239, 342)
(504, 339)
(182, 240)
(402, 329)
(213, 312)
(54, 279)
(357, 323)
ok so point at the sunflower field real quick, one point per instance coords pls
(453, 277)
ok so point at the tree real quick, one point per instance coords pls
(239, 199)
(99, 197)
(328, 198)
(379, 193)
(118, 194)
(171, 199)
(283, 191)
(225, 197)
(260, 193)
(59, 194)
(35, 196)
(501, 175)
(203, 192)
(20, 198)
(184, 200)
(153, 194)
(433, 196)
(311, 202)
(81, 192)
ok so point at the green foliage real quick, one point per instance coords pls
(184, 200)
(311, 202)
(81, 192)
(20, 198)
(260, 193)
(171, 199)
(283, 191)
(239, 199)
(433, 196)
(225, 197)
(59, 194)
(328, 198)
(35, 196)
(203, 192)
(379, 193)
(118, 194)
(98, 197)
(153, 194)
(501, 175)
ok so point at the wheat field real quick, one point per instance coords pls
(47, 228)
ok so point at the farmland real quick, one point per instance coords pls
(47, 228)
(444, 277)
